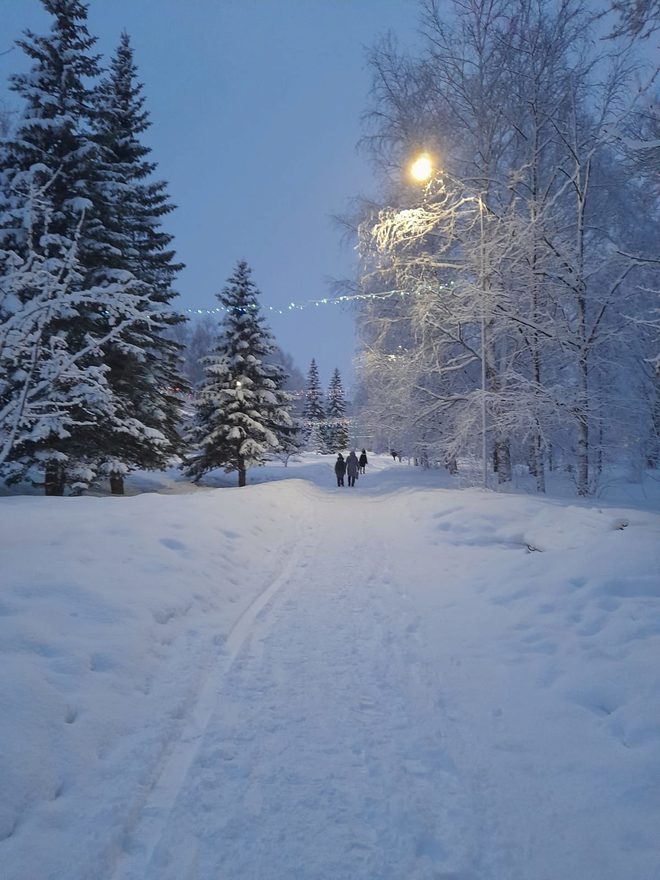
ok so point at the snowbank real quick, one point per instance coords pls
(531, 629)
(111, 612)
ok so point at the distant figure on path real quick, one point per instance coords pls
(352, 467)
(363, 461)
(393, 454)
(340, 469)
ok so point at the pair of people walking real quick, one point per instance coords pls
(350, 467)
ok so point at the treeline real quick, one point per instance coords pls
(519, 282)
(91, 374)
(89, 378)
(325, 425)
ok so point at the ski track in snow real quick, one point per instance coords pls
(328, 734)
(149, 819)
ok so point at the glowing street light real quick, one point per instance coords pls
(421, 169)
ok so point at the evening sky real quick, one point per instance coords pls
(255, 108)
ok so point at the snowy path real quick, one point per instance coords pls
(346, 741)
(326, 755)
(160, 799)
(294, 682)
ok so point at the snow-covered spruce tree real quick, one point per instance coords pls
(295, 381)
(293, 441)
(336, 434)
(290, 438)
(241, 413)
(50, 148)
(144, 364)
(55, 401)
(313, 414)
(85, 143)
(53, 135)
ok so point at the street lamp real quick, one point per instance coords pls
(422, 171)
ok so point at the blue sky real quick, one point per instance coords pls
(255, 106)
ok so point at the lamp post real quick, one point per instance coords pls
(482, 286)
(422, 171)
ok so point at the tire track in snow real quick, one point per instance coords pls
(145, 830)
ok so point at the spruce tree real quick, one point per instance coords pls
(241, 413)
(55, 401)
(337, 434)
(313, 411)
(52, 140)
(79, 146)
(52, 153)
(144, 364)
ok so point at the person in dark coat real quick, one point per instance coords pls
(352, 467)
(340, 469)
(362, 461)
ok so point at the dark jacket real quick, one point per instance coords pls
(352, 466)
(363, 459)
(340, 467)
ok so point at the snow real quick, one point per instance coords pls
(405, 679)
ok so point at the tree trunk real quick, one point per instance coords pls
(653, 454)
(240, 467)
(599, 450)
(582, 176)
(583, 457)
(503, 459)
(537, 440)
(539, 467)
(531, 458)
(583, 430)
(117, 484)
(54, 482)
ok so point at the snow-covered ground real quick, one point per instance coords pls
(292, 680)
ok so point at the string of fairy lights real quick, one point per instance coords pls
(317, 303)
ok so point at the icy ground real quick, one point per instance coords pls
(298, 682)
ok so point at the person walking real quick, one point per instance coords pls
(362, 461)
(340, 469)
(352, 467)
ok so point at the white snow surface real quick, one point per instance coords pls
(293, 681)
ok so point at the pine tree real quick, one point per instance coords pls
(241, 414)
(145, 363)
(337, 435)
(313, 411)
